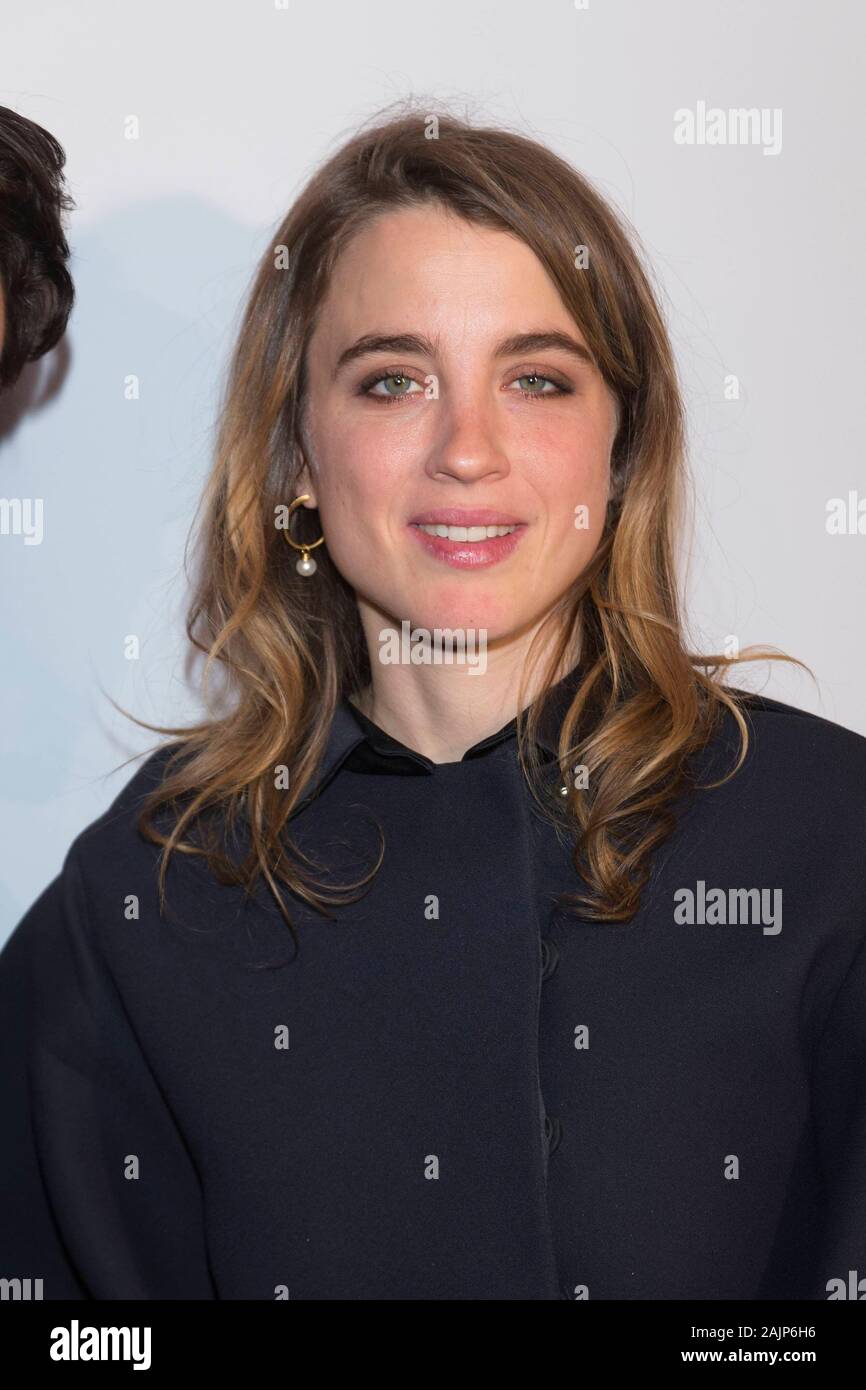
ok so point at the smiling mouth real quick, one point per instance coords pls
(468, 547)
(464, 533)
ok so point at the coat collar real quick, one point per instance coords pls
(355, 740)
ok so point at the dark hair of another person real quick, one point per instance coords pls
(36, 282)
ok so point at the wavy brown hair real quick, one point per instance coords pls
(290, 649)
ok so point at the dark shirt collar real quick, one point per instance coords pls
(355, 742)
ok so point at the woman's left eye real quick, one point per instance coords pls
(535, 378)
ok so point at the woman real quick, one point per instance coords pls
(481, 944)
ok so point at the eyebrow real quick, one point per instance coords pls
(518, 344)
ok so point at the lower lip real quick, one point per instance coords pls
(468, 555)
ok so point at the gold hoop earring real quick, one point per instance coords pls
(306, 565)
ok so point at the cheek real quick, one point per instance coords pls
(573, 485)
(589, 510)
(352, 488)
(356, 457)
(364, 459)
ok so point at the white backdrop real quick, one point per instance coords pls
(759, 256)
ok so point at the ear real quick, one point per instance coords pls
(305, 484)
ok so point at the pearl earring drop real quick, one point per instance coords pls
(306, 566)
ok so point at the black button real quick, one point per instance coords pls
(552, 1132)
(549, 957)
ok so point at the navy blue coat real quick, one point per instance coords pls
(455, 1090)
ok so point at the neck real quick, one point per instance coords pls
(442, 710)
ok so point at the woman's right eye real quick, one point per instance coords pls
(402, 382)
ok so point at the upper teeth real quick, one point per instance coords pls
(466, 533)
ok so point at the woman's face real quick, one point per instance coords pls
(454, 421)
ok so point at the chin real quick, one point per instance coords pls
(422, 621)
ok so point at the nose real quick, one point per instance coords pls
(467, 446)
